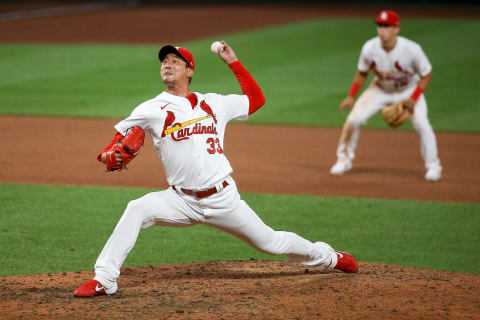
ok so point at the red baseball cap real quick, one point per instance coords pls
(388, 17)
(183, 53)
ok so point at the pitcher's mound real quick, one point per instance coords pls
(249, 290)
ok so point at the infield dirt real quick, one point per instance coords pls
(388, 165)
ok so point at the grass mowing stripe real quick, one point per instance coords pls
(62, 228)
(302, 87)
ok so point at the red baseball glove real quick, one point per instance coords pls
(127, 146)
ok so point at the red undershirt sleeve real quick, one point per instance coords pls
(249, 86)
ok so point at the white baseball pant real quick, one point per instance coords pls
(223, 210)
(371, 101)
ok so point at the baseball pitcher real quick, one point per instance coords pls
(402, 72)
(188, 129)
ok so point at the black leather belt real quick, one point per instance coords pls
(200, 194)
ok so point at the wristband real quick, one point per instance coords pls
(416, 94)
(354, 89)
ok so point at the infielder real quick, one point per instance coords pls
(188, 131)
(402, 72)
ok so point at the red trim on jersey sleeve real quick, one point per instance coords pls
(249, 86)
(192, 97)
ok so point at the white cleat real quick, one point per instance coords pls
(434, 173)
(341, 166)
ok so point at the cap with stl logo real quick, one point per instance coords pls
(388, 17)
(183, 53)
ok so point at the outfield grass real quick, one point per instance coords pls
(305, 69)
(53, 229)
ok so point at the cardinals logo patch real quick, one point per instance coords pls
(181, 131)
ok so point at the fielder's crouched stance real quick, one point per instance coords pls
(188, 131)
(402, 72)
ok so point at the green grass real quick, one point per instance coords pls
(53, 229)
(305, 69)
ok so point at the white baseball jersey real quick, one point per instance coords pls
(189, 141)
(397, 69)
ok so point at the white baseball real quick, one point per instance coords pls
(216, 47)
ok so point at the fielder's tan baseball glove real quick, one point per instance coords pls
(397, 114)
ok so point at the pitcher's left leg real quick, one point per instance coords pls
(263, 238)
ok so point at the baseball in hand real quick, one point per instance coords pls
(216, 47)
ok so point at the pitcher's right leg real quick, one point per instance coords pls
(157, 208)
